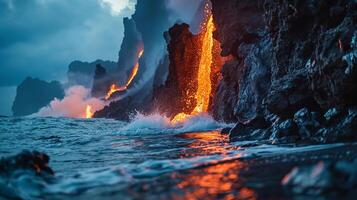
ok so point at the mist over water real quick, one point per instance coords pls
(73, 105)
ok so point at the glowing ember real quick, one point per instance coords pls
(89, 113)
(204, 72)
(114, 88)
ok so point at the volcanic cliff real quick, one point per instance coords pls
(293, 67)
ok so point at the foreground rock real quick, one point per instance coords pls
(335, 125)
(33, 94)
(31, 161)
(324, 177)
(24, 175)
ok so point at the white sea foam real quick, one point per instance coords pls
(156, 123)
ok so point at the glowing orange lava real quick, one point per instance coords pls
(114, 88)
(89, 113)
(204, 72)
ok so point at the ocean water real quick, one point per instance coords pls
(148, 158)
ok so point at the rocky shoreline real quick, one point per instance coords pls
(293, 73)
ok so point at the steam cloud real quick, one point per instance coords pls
(72, 105)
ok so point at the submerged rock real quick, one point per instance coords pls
(25, 175)
(322, 177)
(33, 161)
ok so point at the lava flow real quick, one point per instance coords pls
(89, 113)
(114, 88)
(203, 92)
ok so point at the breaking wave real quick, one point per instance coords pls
(154, 123)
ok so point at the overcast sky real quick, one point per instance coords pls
(39, 38)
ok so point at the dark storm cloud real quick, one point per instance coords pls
(41, 37)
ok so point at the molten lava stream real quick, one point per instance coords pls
(89, 113)
(114, 88)
(204, 74)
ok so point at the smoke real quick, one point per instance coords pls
(151, 20)
(183, 10)
(73, 105)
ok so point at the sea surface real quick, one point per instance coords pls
(150, 158)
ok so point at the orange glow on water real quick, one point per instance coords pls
(115, 88)
(89, 113)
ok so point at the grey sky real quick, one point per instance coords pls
(40, 38)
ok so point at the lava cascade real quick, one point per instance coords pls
(115, 88)
(89, 113)
(203, 92)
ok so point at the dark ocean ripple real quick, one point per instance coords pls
(148, 159)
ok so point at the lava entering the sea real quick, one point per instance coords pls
(89, 113)
(115, 88)
(204, 88)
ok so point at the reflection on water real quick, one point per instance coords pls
(206, 143)
(99, 159)
(215, 181)
(218, 181)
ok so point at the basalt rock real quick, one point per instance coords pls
(101, 81)
(288, 56)
(305, 127)
(178, 93)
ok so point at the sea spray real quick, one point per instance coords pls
(157, 123)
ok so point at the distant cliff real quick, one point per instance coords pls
(33, 94)
(82, 73)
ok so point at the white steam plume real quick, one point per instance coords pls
(73, 105)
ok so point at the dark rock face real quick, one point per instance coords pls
(82, 73)
(178, 93)
(33, 94)
(101, 81)
(288, 56)
(131, 44)
(306, 126)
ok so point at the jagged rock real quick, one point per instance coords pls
(245, 130)
(34, 161)
(101, 81)
(323, 177)
(308, 122)
(227, 93)
(33, 94)
(291, 62)
(285, 132)
(132, 43)
(82, 73)
(181, 83)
